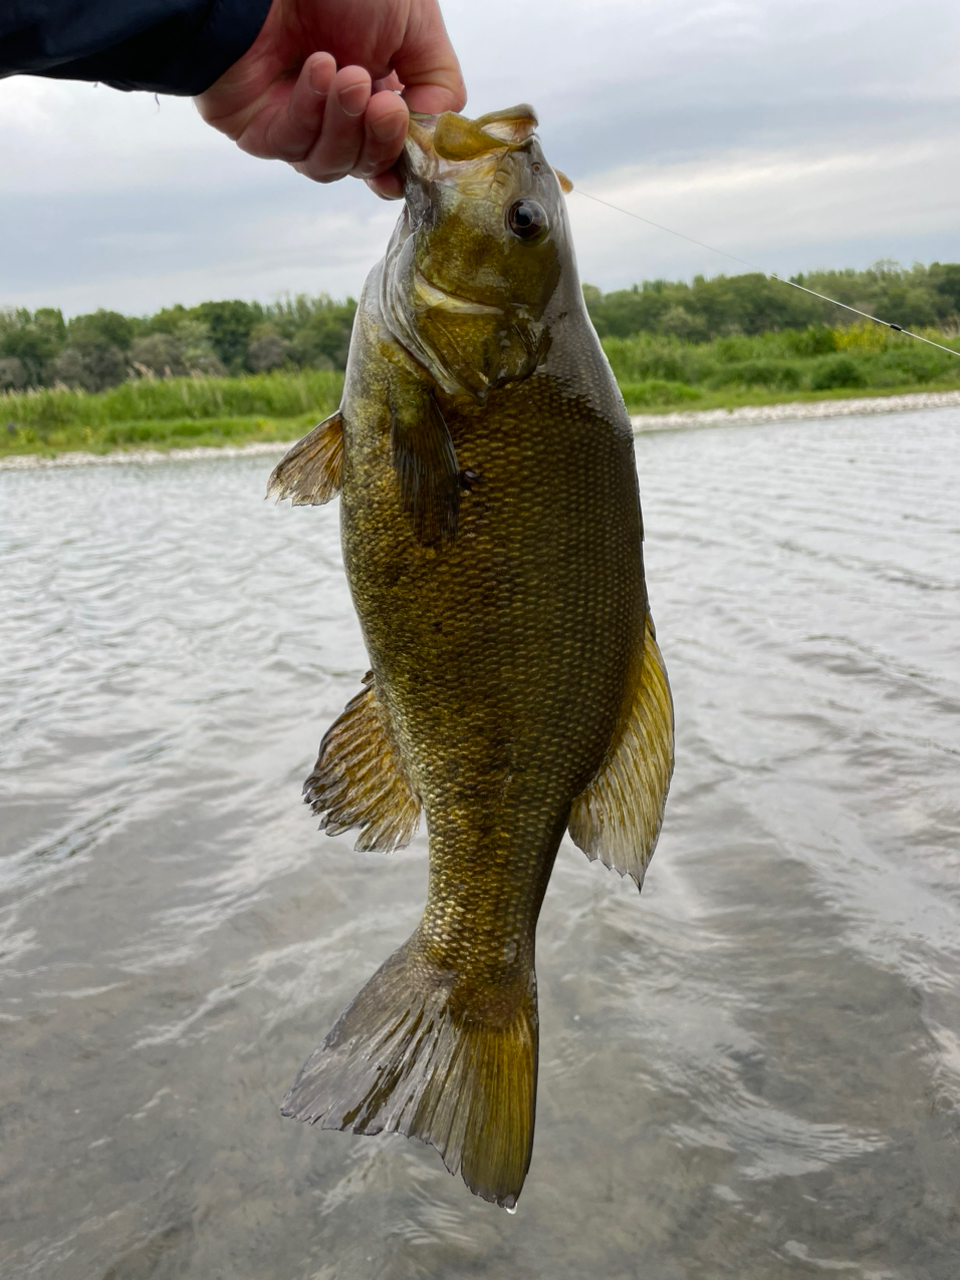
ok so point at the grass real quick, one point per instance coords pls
(657, 374)
(184, 433)
(168, 413)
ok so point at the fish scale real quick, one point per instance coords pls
(492, 540)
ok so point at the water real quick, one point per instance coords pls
(751, 1071)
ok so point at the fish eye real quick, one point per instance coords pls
(527, 220)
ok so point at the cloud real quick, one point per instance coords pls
(793, 133)
(778, 211)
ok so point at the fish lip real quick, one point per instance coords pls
(417, 163)
(466, 306)
(497, 132)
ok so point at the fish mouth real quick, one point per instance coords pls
(430, 296)
(434, 142)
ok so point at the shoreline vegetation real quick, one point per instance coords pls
(229, 374)
(272, 440)
(682, 379)
(278, 410)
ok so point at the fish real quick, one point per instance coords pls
(493, 543)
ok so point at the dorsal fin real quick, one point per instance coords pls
(617, 818)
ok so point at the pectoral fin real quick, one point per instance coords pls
(426, 465)
(359, 779)
(311, 472)
(617, 819)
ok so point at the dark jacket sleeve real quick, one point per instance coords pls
(165, 46)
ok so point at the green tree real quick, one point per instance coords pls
(35, 340)
(324, 340)
(157, 355)
(946, 287)
(165, 320)
(267, 350)
(93, 367)
(199, 355)
(229, 325)
(101, 329)
(13, 375)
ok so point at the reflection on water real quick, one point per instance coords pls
(751, 1071)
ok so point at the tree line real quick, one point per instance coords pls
(753, 304)
(214, 339)
(104, 348)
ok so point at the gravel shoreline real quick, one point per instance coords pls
(643, 422)
(797, 411)
(33, 462)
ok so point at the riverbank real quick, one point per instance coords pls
(744, 414)
(797, 410)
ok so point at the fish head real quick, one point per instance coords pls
(480, 250)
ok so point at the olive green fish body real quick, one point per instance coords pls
(501, 659)
(492, 540)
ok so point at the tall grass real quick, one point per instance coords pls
(654, 372)
(658, 370)
(269, 395)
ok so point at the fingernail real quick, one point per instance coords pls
(388, 128)
(372, 183)
(354, 99)
(320, 79)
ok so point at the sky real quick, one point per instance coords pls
(792, 134)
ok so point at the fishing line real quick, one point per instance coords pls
(769, 275)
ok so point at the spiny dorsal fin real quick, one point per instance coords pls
(359, 779)
(427, 469)
(617, 819)
(310, 473)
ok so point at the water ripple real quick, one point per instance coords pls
(751, 1068)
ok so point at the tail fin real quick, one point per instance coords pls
(405, 1058)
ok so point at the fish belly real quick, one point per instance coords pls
(502, 658)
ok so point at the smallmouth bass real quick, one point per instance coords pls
(492, 539)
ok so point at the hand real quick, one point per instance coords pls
(285, 99)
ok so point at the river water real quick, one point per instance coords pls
(751, 1071)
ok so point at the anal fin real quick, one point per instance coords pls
(617, 818)
(311, 472)
(359, 779)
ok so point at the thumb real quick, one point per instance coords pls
(436, 93)
(428, 67)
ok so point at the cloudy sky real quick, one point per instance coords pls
(791, 133)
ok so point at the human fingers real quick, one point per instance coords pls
(388, 186)
(427, 64)
(392, 81)
(337, 149)
(384, 129)
(294, 126)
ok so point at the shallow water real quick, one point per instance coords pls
(751, 1071)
